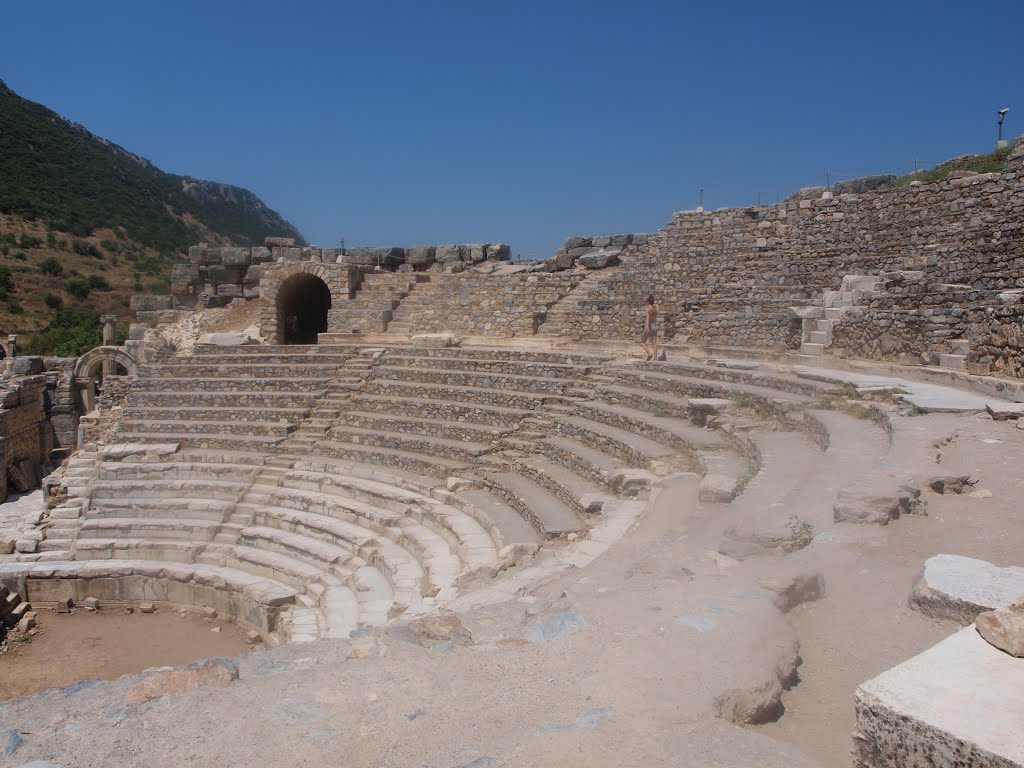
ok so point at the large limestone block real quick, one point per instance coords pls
(958, 704)
(372, 257)
(236, 257)
(606, 257)
(449, 253)
(225, 339)
(499, 252)
(149, 303)
(959, 588)
(436, 340)
(1004, 628)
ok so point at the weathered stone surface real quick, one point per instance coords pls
(209, 673)
(560, 262)
(717, 488)
(440, 628)
(578, 242)
(436, 340)
(284, 242)
(1003, 411)
(943, 484)
(959, 588)
(225, 339)
(236, 257)
(751, 706)
(421, 254)
(555, 627)
(499, 251)
(449, 253)
(26, 365)
(956, 704)
(11, 740)
(260, 255)
(1004, 628)
(794, 589)
(741, 543)
(876, 501)
(600, 259)
(474, 253)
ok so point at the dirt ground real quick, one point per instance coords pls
(87, 645)
(863, 626)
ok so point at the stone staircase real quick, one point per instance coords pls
(370, 309)
(818, 321)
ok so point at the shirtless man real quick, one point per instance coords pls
(650, 332)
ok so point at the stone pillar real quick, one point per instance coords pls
(109, 340)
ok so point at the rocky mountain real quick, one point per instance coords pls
(56, 171)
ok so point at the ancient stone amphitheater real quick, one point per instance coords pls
(528, 541)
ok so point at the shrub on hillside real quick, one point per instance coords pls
(6, 282)
(78, 287)
(51, 266)
(73, 332)
(53, 301)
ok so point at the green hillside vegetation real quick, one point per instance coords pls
(57, 172)
(85, 225)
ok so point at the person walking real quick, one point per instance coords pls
(650, 332)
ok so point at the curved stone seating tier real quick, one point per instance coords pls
(369, 484)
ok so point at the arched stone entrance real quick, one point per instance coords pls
(303, 301)
(295, 299)
(85, 370)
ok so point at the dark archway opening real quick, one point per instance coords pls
(302, 304)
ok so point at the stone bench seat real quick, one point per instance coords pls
(783, 382)
(571, 489)
(585, 461)
(430, 548)
(214, 456)
(255, 444)
(271, 429)
(235, 399)
(339, 560)
(404, 573)
(149, 528)
(478, 379)
(227, 383)
(551, 517)
(323, 356)
(667, 430)
(410, 442)
(645, 399)
(693, 386)
(180, 508)
(264, 369)
(299, 575)
(630, 447)
(511, 525)
(463, 432)
(213, 414)
(524, 366)
(169, 488)
(247, 599)
(437, 466)
(526, 401)
(498, 354)
(177, 470)
(440, 410)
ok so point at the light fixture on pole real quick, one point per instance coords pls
(1000, 142)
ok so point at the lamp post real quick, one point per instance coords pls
(1000, 143)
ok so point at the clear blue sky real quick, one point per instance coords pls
(397, 123)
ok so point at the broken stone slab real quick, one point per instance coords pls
(226, 339)
(702, 408)
(943, 484)
(149, 303)
(1004, 628)
(209, 673)
(123, 450)
(751, 706)
(959, 588)
(436, 340)
(1001, 411)
(420, 254)
(877, 501)
(606, 257)
(742, 544)
(795, 589)
(717, 488)
(92, 603)
(445, 627)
